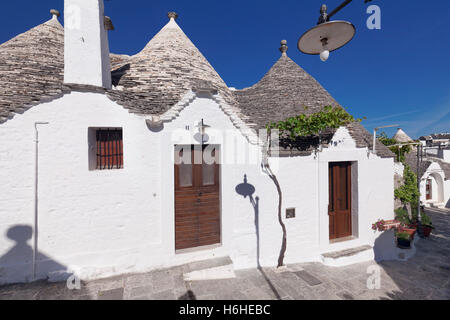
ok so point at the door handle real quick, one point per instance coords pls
(200, 194)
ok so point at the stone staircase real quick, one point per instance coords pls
(348, 256)
(212, 269)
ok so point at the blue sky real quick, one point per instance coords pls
(397, 75)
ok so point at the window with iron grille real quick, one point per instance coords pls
(108, 149)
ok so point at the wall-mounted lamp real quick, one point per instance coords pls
(202, 127)
(202, 130)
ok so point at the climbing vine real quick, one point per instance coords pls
(399, 151)
(408, 193)
(305, 125)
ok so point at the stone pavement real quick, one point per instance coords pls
(426, 276)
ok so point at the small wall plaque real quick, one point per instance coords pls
(290, 213)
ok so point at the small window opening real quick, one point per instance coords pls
(107, 149)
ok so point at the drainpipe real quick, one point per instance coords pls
(419, 217)
(36, 179)
(318, 181)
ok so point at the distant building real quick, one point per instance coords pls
(434, 169)
(436, 144)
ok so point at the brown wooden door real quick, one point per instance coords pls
(197, 196)
(339, 209)
(429, 189)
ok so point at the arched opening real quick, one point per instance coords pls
(434, 189)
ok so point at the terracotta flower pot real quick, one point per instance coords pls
(426, 231)
(411, 232)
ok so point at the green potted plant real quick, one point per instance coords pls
(427, 225)
(409, 230)
(407, 225)
(403, 240)
(402, 216)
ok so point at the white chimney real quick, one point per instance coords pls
(86, 49)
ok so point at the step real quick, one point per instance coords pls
(213, 269)
(348, 256)
(210, 263)
(437, 205)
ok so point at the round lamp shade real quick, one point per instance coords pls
(336, 34)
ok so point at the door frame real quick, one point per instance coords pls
(350, 168)
(206, 247)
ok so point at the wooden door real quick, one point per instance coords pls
(197, 196)
(339, 209)
(429, 189)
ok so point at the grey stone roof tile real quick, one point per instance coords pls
(31, 68)
(283, 92)
(411, 160)
(446, 167)
(155, 79)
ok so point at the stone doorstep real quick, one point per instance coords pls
(216, 273)
(347, 252)
(209, 264)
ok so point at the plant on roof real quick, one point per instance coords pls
(306, 125)
(399, 151)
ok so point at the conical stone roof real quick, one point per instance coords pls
(155, 79)
(401, 137)
(31, 68)
(283, 92)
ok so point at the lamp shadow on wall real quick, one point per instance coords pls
(246, 189)
(16, 265)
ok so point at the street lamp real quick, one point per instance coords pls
(328, 35)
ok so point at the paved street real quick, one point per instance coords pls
(426, 276)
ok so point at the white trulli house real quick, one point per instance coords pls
(91, 181)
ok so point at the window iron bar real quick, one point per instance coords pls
(109, 149)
